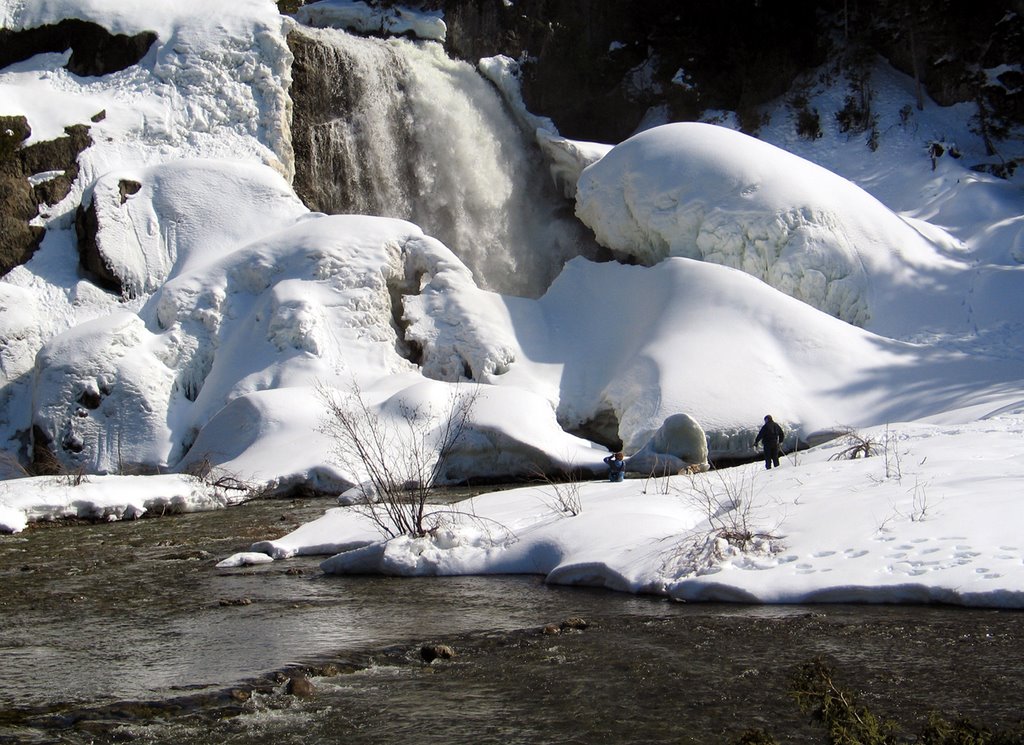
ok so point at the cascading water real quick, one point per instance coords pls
(396, 128)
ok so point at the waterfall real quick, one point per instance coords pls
(396, 128)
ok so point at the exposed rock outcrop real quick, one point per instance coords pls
(19, 198)
(42, 173)
(602, 70)
(18, 239)
(95, 51)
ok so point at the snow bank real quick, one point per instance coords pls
(707, 192)
(624, 348)
(932, 516)
(45, 498)
(176, 217)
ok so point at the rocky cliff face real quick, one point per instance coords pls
(597, 68)
(94, 50)
(42, 173)
(20, 199)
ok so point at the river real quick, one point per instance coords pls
(127, 631)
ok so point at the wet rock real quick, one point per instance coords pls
(229, 602)
(551, 629)
(574, 623)
(431, 652)
(190, 555)
(301, 687)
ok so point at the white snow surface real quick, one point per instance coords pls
(48, 498)
(833, 286)
(932, 517)
(366, 19)
(707, 192)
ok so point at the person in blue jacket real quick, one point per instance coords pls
(772, 435)
(616, 467)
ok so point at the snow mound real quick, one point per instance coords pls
(710, 193)
(304, 304)
(171, 218)
(108, 498)
(244, 559)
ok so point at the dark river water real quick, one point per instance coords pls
(123, 632)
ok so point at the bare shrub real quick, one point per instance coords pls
(855, 446)
(564, 492)
(728, 499)
(224, 480)
(401, 458)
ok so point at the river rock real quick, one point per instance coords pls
(301, 687)
(431, 652)
(574, 623)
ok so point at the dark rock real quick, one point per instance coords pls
(60, 154)
(99, 116)
(89, 256)
(127, 187)
(301, 687)
(575, 623)
(551, 629)
(619, 59)
(235, 602)
(19, 201)
(431, 652)
(14, 130)
(95, 51)
(90, 398)
(18, 239)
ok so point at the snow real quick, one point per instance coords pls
(87, 497)
(365, 19)
(835, 287)
(707, 192)
(932, 516)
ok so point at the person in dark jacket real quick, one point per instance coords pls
(771, 435)
(616, 467)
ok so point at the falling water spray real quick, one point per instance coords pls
(396, 128)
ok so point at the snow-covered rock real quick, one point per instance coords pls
(680, 443)
(710, 193)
